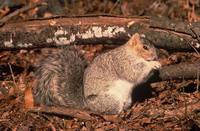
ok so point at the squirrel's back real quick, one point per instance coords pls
(59, 79)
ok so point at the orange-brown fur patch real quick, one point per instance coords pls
(146, 54)
(136, 45)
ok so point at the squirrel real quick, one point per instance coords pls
(104, 86)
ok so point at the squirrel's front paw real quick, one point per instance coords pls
(155, 65)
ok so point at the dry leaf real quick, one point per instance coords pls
(28, 98)
(111, 118)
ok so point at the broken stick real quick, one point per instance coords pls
(182, 71)
(81, 114)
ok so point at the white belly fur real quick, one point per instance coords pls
(121, 91)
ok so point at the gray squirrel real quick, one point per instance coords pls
(104, 86)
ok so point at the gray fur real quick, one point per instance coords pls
(107, 68)
(60, 79)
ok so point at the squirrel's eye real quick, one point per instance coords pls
(145, 47)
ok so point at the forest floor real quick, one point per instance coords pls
(166, 105)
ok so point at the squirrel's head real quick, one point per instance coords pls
(142, 47)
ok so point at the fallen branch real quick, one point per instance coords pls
(180, 71)
(17, 12)
(61, 31)
(81, 114)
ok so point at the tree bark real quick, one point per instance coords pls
(182, 71)
(61, 31)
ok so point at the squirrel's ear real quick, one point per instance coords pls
(134, 40)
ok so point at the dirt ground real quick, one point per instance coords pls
(166, 105)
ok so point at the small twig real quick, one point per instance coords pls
(12, 74)
(17, 12)
(193, 48)
(114, 6)
(184, 110)
(185, 107)
(81, 114)
(197, 36)
(197, 80)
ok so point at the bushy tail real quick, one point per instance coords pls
(59, 79)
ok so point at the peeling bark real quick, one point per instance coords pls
(61, 31)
